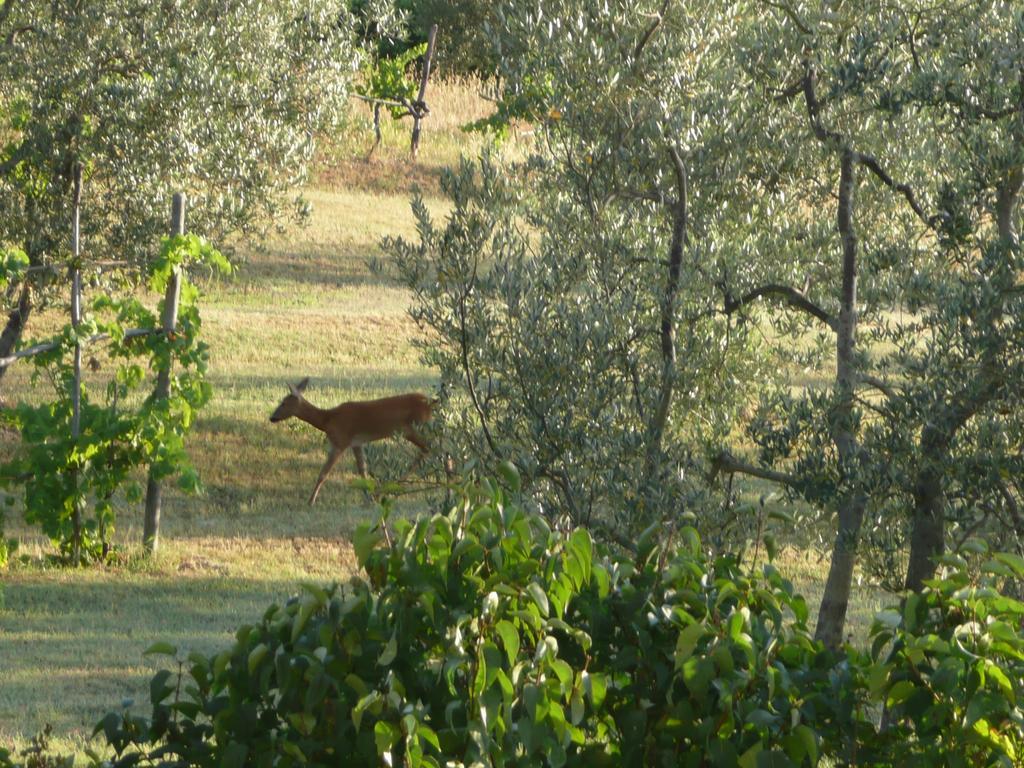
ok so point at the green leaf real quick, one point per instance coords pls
(306, 609)
(889, 618)
(256, 655)
(159, 689)
(761, 718)
(899, 693)
(510, 474)
(810, 741)
(1012, 561)
(749, 758)
(537, 594)
(364, 542)
(509, 638)
(687, 642)
(563, 671)
(161, 648)
(389, 653)
(385, 736)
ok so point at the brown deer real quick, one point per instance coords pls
(355, 423)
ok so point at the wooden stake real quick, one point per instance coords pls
(76, 318)
(151, 526)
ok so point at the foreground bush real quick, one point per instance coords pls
(484, 638)
(953, 677)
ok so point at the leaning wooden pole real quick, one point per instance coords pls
(151, 526)
(419, 110)
(76, 319)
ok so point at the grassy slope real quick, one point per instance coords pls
(302, 304)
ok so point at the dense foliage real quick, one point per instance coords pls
(484, 637)
(752, 239)
(951, 669)
(223, 100)
(563, 296)
(65, 477)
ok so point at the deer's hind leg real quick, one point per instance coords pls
(357, 451)
(332, 459)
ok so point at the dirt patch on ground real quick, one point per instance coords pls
(380, 175)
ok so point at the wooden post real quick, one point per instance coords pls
(376, 129)
(419, 110)
(76, 318)
(151, 526)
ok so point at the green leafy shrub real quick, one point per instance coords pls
(952, 677)
(484, 637)
(66, 479)
(388, 78)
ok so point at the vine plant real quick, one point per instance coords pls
(120, 428)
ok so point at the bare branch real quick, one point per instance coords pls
(875, 167)
(883, 387)
(51, 345)
(789, 92)
(726, 462)
(649, 32)
(12, 37)
(787, 294)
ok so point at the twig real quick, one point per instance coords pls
(869, 162)
(51, 345)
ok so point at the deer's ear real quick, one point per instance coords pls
(299, 388)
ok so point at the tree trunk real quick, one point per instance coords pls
(16, 322)
(836, 598)
(679, 240)
(928, 522)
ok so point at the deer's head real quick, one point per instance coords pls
(290, 404)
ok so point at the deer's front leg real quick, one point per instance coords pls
(332, 459)
(357, 451)
(414, 437)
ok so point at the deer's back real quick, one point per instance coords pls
(366, 420)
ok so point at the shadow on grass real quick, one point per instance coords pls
(71, 650)
(352, 383)
(308, 264)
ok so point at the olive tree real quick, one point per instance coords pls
(223, 99)
(915, 111)
(567, 296)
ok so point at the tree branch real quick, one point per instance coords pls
(790, 14)
(787, 294)
(649, 32)
(680, 239)
(51, 345)
(814, 106)
(875, 167)
(879, 384)
(726, 462)
(463, 340)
